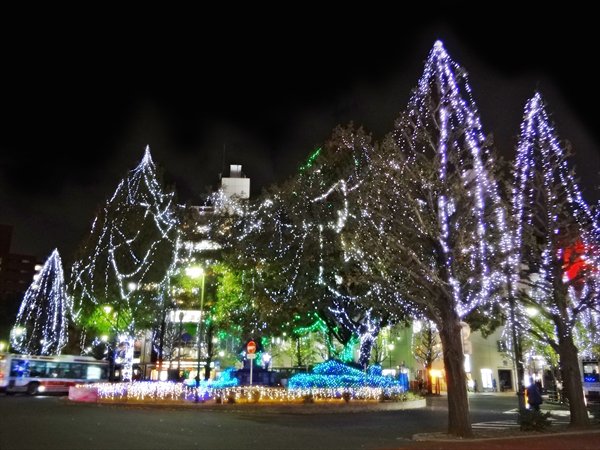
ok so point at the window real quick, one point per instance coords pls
(486, 379)
(37, 368)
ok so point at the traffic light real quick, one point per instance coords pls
(465, 332)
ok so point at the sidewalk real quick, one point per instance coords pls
(568, 440)
(558, 436)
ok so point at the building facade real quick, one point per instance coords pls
(16, 274)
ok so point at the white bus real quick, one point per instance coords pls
(39, 374)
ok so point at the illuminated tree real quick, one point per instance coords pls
(555, 268)
(433, 226)
(427, 349)
(124, 263)
(41, 325)
(297, 239)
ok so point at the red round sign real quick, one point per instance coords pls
(251, 347)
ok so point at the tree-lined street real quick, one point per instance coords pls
(423, 224)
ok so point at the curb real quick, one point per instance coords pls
(291, 408)
(432, 437)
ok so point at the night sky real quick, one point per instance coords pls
(79, 103)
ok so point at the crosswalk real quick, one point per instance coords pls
(495, 425)
(507, 424)
(558, 417)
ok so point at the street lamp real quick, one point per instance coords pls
(110, 347)
(195, 272)
(179, 342)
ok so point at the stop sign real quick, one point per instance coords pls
(251, 347)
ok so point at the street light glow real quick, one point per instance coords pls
(194, 272)
(532, 311)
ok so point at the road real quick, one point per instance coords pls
(56, 423)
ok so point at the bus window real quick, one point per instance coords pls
(63, 370)
(52, 370)
(19, 368)
(37, 369)
(75, 371)
(94, 372)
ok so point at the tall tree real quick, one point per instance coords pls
(433, 223)
(124, 262)
(427, 349)
(41, 325)
(555, 268)
(298, 234)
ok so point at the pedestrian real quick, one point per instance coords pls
(494, 385)
(475, 388)
(534, 396)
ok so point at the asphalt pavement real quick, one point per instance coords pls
(55, 423)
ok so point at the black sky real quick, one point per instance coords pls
(78, 103)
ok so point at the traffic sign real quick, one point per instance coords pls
(251, 347)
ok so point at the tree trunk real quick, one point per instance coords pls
(517, 352)
(209, 350)
(161, 340)
(366, 345)
(459, 422)
(127, 341)
(428, 383)
(571, 377)
(299, 361)
(567, 352)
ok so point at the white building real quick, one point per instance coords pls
(237, 184)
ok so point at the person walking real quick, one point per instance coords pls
(534, 396)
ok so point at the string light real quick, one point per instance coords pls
(554, 268)
(128, 242)
(177, 392)
(42, 320)
(335, 376)
(305, 223)
(432, 207)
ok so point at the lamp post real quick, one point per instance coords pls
(179, 342)
(196, 272)
(107, 341)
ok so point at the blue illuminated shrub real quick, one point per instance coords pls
(335, 375)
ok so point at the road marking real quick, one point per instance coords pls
(495, 424)
(503, 424)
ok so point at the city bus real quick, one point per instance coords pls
(48, 374)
